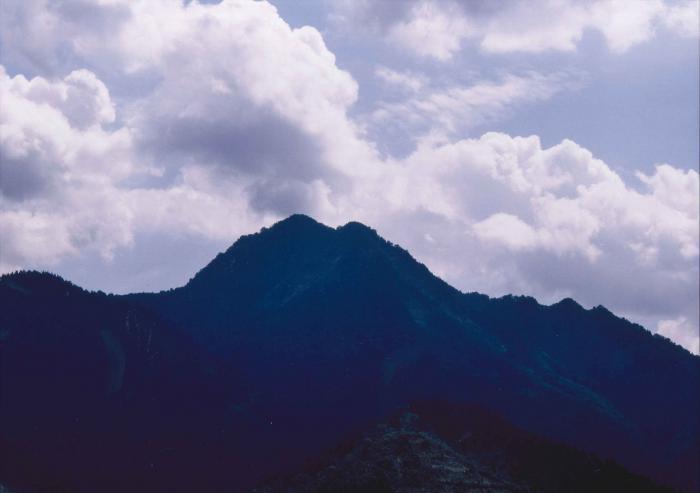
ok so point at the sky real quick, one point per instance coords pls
(545, 148)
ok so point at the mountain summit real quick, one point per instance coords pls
(301, 335)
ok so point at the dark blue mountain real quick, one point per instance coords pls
(299, 336)
(97, 394)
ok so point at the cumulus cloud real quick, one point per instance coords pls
(551, 222)
(265, 104)
(58, 162)
(69, 178)
(252, 125)
(56, 130)
(508, 230)
(438, 28)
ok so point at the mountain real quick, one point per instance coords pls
(300, 336)
(97, 394)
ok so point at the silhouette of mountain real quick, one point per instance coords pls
(299, 336)
(97, 394)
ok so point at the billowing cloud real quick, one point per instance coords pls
(161, 117)
(58, 160)
(265, 105)
(252, 126)
(505, 214)
(54, 128)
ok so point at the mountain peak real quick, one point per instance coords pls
(301, 223)
(355, 227)
(296, 225)
(568, 304)
(297, 220)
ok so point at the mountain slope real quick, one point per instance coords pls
(340, 316)
(97, 394)
(443, 447)
(399, 457)
(302, 334)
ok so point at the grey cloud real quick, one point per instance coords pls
(647, 294)
(46, 37)
(383, 14)
(484, 7)
(263, 144)
(283, 197)
(23, 178)
(375, 15)
(98, 16)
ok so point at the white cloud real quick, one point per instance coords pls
(681, 331)
(523, 28)
(683, 18)
(431, 31)
(59, 164)
(57, 130)
(624, 25)
(254, 124)
(674, 187)
(504, 214)
(70, 179)
(407, 81)
(438, 28)
(448, 109)
(508, 230)
(43, 36)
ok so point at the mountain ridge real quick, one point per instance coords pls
(307, 222)
(308, 332)
(357, 255)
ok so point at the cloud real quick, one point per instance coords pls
(438, 28)
(43, 36)
(74, 182)
(265, 104)
(252, 125)
(508, 230)
(59, 162)
(53, 126)
(403, 80)
(683, 18)
(431, 31)
(449, 108)
(524, 29)
(681, 331)
(507, 215)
